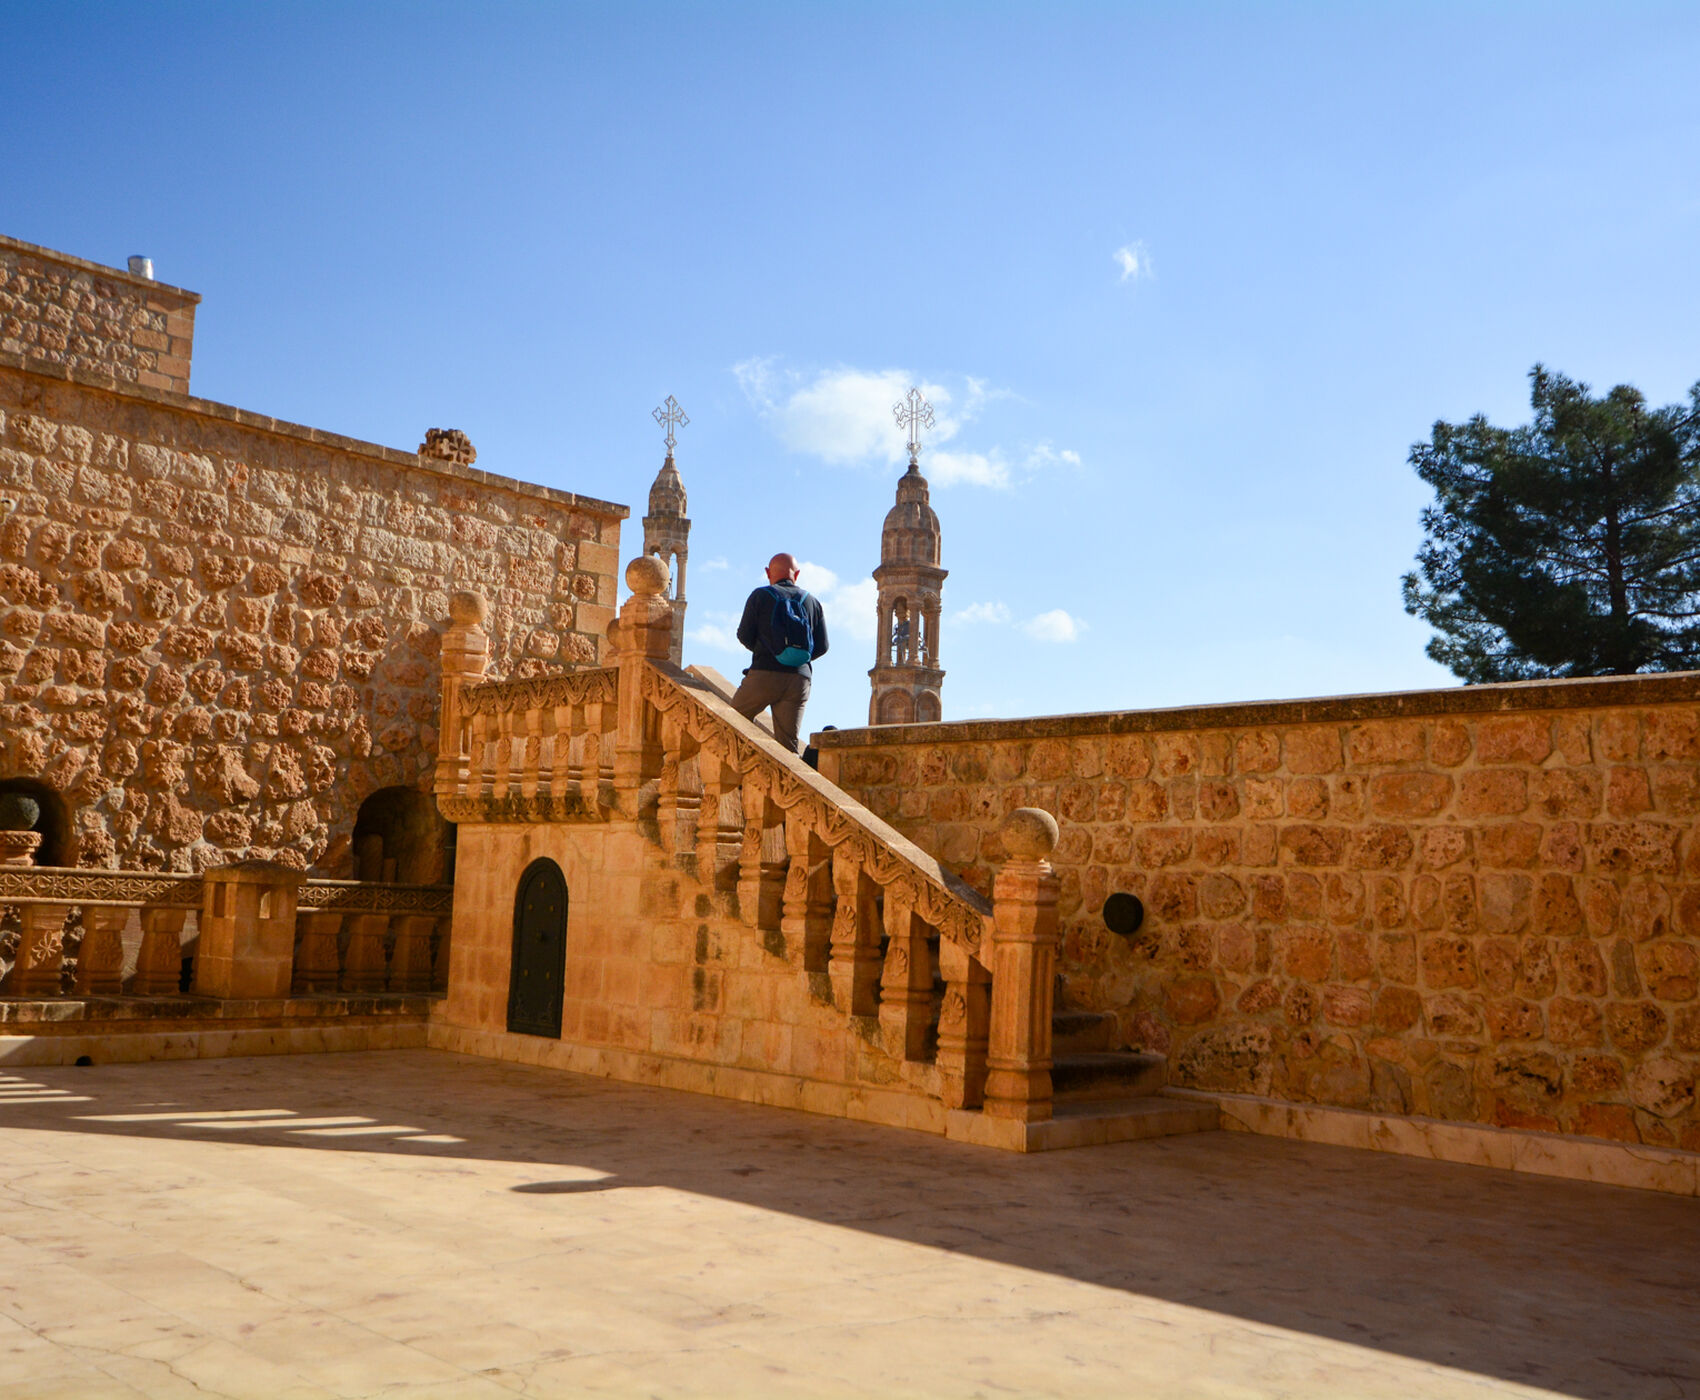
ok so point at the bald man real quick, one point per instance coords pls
(786, 630)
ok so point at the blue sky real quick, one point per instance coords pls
(1184, 281)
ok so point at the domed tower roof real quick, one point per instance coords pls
(911, 533)
(667, 495)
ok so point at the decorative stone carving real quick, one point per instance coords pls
(448, 445)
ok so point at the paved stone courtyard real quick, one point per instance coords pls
(415, 1224)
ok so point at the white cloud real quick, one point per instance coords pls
(1133, 260)
(1044, 455)
(713, 635)
(1054, 626)
(967, 468)
(982, 612)
(852, 609)
(715, 565)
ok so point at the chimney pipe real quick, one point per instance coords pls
(141, 267)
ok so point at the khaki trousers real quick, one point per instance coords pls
(786, 691)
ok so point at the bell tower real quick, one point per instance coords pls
(666, 529)
(906, 674)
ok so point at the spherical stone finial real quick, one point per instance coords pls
(468, 609)
(648, 576)
(1029, 833)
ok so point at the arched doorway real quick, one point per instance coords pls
(399, 837)
(537, 970)
(58, 838)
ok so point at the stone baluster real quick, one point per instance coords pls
(479, 776)
(720, 823)
(534, 773)
(668, 794)
(854, 967)
(761, 860)
(247, 947)
(410, 962)
(317, 959)
(465, 653)
(41, 949)
(364, 967)
(159, 961)
(1023, 965)
(572, 738)
(504, 772)
(906, 983)
(599, 720)
(963, 1021)
(100, 956)
(561, 779)
(646, 634)
(806, 919)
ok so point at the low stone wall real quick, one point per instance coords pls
(80, 315)
(219, 632)
(1479, 904)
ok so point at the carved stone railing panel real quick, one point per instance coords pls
(372, 897)
(49, 884)
(539, 692)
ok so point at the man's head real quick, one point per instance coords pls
(781, 568)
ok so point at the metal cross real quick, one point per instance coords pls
(670, 415)
(913, 413)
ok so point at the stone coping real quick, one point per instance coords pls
(277, 427)
(1665, 688)
(83, 1015)
(114, 274)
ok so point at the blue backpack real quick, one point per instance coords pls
(788, 634)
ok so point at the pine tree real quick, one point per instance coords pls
(1568, 547)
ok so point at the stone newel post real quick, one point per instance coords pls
(645, 632)
(1023, 958)
(247, 947)
(466, 652)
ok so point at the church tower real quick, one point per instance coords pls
(666, 529)
(906, 675)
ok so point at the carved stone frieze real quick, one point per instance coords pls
(43, 884)
(517, 807)
(372, 897)
(540, 692)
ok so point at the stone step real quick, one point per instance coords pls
(1082, 1032)
(1108, 1074)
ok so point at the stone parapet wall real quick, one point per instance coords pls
(79, 315)
(1479, 904)
(219, 632)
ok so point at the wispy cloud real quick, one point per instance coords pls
(844, 416)
(714, 565)
(1133, 260)
(982, 612)
(716, 636)
(851, 608)
(1044, 455)
(1054, 626)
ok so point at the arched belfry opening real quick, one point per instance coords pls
(537, 969)
(401, 838)
(53, 822)
(907, 676)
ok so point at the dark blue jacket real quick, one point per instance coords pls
(758, 607)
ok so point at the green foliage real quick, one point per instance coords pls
(1569, 547)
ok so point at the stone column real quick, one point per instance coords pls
(466, 652)
(159, 961)
(41, 951)
(1023, 964)
(247, 948)
(410, 962)
(100, 956)
(962, 1027)
(645, 634)
(316, 955)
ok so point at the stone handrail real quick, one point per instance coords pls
(352, 935)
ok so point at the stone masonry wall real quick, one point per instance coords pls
(1479, 904)
(218, 633)
(82, 316)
